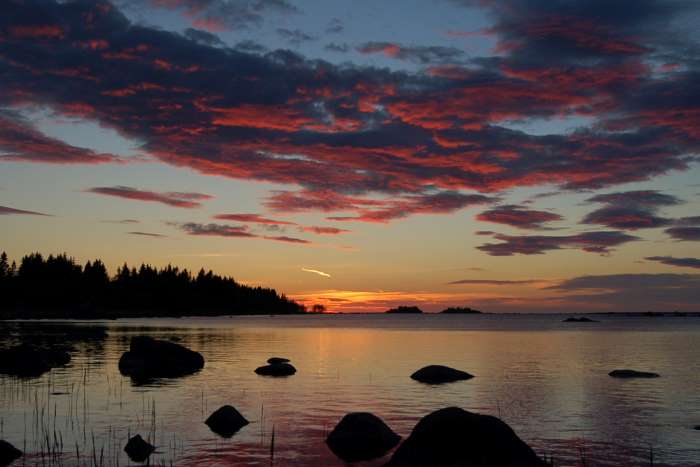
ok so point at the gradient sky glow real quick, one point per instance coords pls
(520, 155)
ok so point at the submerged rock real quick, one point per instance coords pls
(632, 374)
(361, 436)
(29, 361)
(276, 360)
(438, 374)
(149, 358)
(138, 450)
(276, 369)
(455, 437)
(226, 421)
(8, 453)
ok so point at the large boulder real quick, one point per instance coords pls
(8, 453)
(138, 450)
(30, 361)
(438, 374)
(276, 369)
(226, 421)
(455, 437)
(361, 436)
(149, 358)
(632, 374)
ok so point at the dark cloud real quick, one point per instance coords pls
(319, 230)
(19, 141)
(7, 211)
(335, 47)
(335, 26)
(592, 242)
(218, 15)
(174, 198)
(204, 37)
(253, 218)
(631, 210)
(122, 221)
(250, 47)
(519, 217)
(418, 54)
(689, 234)
(215, 230)
(295, 36)
(680, 262)
(491, 282)
(633, 292)
(148, 234)
(380, 139)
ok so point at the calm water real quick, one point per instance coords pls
(547, 379)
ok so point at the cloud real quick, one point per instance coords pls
(252, 218)
(689, 234)
(20, 142)
(122, 221)
(232, 231)
(491, 282)
(519, 217)
(319, 230)
(381, 139)
(418, 54)
(632, 292)
(336, 47)
(218, 15)
(6, 211)
(680, 262)
(175, 199)
(335, 26)
(295, 36)
(631, 210)
(592, 242)
(148, 234)
(315, 271)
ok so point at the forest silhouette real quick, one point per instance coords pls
(59, 287)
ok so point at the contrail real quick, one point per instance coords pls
(314, 271)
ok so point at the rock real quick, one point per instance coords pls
(438, 374)
(455, 437)
(137, 449)
(405, 310)
(696, 427)
(149, 358)
(582, 319)
(29, 361)
(361, 436)
(226, 421)
(8, 453)
(632, 374)
(275, 360)
(276, 369)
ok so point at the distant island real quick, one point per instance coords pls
(405, 310)
(459, 310)
(58, 287)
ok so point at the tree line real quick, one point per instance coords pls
(59, 287)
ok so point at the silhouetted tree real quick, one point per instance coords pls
(318, 308)
(59, 283)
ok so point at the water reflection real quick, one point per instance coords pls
(546, 379)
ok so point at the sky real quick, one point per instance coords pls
(512, 156)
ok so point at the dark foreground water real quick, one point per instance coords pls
(547, 379)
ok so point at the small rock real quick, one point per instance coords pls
(361, 436)
(276, 360)
(582, 319)
(696, 427)
(137, 449)
(438, 374)
(454, 437)
(8, 453)
(632, 374)
(277, 369)
(226, 421)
